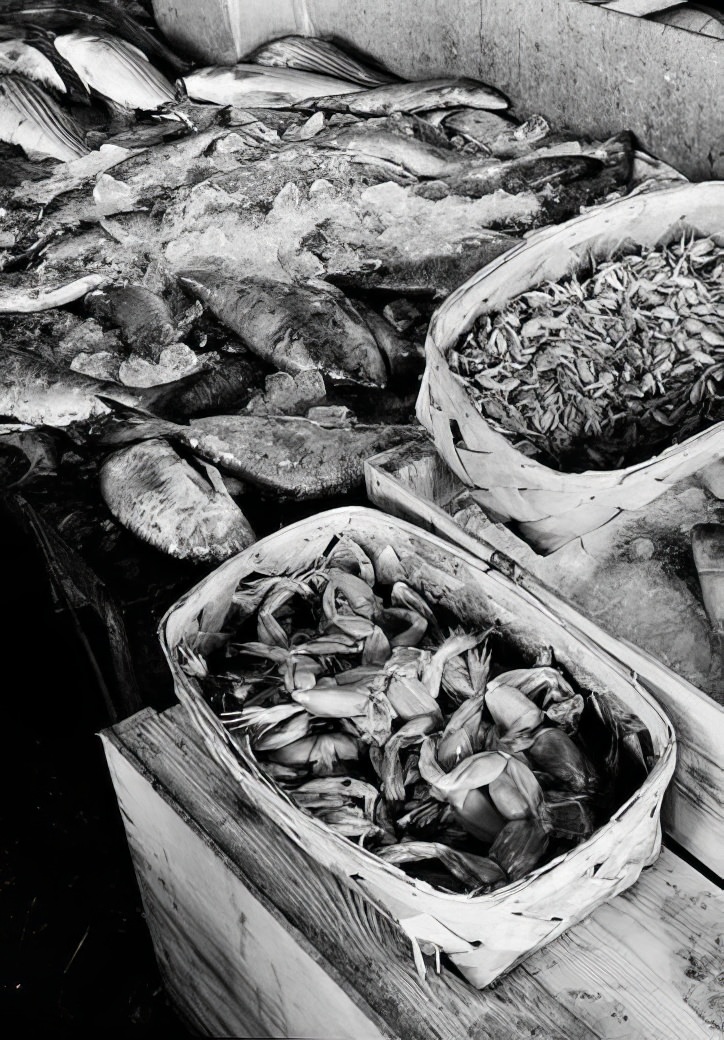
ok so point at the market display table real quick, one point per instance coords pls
(254, 939)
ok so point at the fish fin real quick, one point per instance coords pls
(324, 57)
(125, 423)
(90, 15)
(162, 399)
(27, 103)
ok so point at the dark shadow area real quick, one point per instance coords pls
(77, 955)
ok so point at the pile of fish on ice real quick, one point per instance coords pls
(216, 281)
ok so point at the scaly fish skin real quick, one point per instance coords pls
(143, 318)
(421, 159)
(115, 69)
(292, 327)
(421, 96)
(530, 173)
(35, 391)
(297, 458)
(259, 86)
(172, 505)
(30, 118)
(21, 58)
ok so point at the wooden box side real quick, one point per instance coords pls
(233, 906)
(417, 486)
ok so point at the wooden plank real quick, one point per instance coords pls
(694, 806)
(594, 71)
(648, 964)
(664, 936)
(364, 946)
(230, 961)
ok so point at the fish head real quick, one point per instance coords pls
(199, 281)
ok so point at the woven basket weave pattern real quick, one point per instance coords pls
(484, 935)
(551, 508)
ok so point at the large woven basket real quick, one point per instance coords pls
(549, 507)
(484, 935)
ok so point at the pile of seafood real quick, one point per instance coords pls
(439, 749)
(605, 371)
(216, 282)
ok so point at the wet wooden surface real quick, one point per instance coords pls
(595, 71)
(254, 939)
(416, 485)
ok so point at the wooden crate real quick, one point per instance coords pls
(414, 484)
(254, 939)
(595, 71)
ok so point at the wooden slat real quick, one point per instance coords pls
(404, 483)
(594, 71)
(664, 936)
(365, 947)
(230, 961)
(243, 926)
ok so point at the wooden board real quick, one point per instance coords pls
(595, 71)
(161, 772)
(415, 485)
(254, 940)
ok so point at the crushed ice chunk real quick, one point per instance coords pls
(307, 130)
(174, 362)
(103, 365)
(86, 338)
(285, 394)
(112, 196)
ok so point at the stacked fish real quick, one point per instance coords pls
(51, 54)
(216, 385)
(429, 749)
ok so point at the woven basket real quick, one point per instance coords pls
(549, 507)
(484, 935)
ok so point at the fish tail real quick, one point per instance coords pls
(126, 424)
(162, 401)
(34, 105)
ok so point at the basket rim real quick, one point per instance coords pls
(437, 346)
(591, 216)
(270, 789)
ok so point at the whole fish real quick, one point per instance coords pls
(257, 86)
(33, 390)
(181, 508)
(501, 137)
(297, 458)
(310, 54)
(292, 327)
(530, 173)
(418, 157)
(115, 69)
(615, 157)
(413, 97)
(30, 118)
(390, 267)
(143, 318)
(20, 57)
(89, 16)
(294, 457)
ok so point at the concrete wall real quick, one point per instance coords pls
(593, 70)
